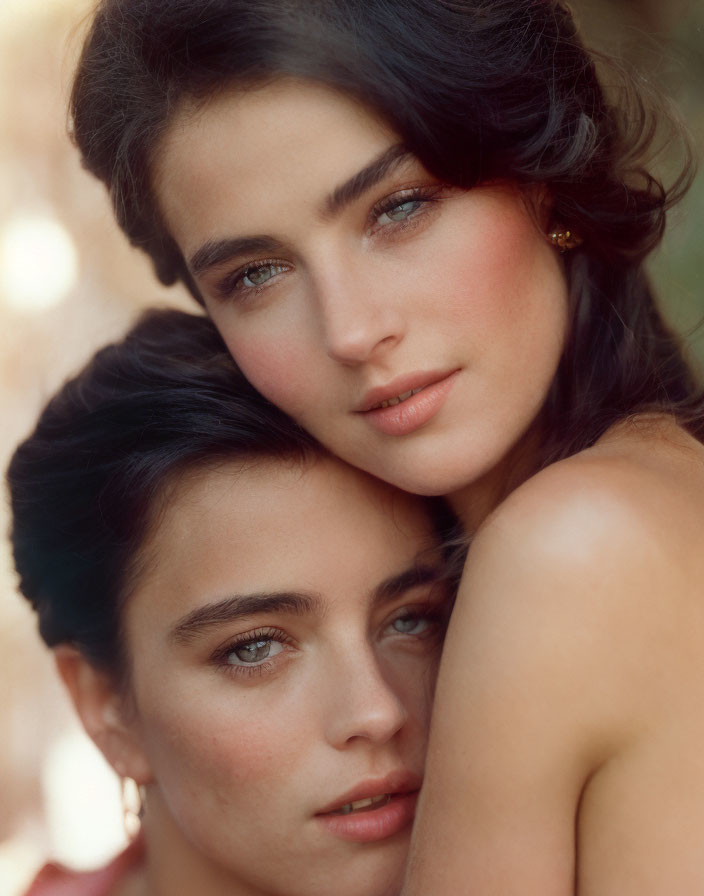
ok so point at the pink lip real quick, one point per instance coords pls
(400, 781)
(369, 825)
(373, 825)
(405, 383)
(409, 415)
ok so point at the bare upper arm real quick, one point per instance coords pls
(545, 676)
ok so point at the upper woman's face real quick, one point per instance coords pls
(283, 639)
(343, 276)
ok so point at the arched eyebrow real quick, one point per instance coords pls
(214, 253)
(364, 180)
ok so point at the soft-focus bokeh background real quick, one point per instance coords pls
(69, 282)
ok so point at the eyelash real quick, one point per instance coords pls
(437, 616)
(424, 195)
(231, 283)
(220, 657)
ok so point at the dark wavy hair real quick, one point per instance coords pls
(84, 486)
(479, 90)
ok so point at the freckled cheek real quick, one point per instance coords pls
(197, 745)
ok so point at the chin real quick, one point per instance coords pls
(436, 477)
(377, 877)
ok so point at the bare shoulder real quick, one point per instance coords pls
(626, 516)
(577, 632)
(591, 573)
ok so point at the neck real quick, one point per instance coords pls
(174, 865)
(474, 502)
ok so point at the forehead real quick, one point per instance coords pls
(252, 147)
(269, 526)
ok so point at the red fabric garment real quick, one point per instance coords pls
(55, 880)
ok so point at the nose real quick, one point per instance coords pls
(360, 314)
(362, 705)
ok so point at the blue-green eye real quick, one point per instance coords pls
(400, 212)
(258, 276)
(252, 652)
(412, 624)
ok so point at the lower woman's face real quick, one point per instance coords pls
(412, 327)
(284, 638)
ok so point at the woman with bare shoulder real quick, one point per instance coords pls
(421, 229)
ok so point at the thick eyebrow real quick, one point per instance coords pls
(214, 253)
(365, 179)
(414, 577)
(217, 252)
(297, 603)
(238, 606)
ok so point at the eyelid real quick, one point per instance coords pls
(435, 614)
(425, 193)
(219, 656)
(404, 194)
(228, 285)
(433, 599)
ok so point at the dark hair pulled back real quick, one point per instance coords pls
(83, 486)
(479, 90)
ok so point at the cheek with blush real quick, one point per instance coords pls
(279, 367)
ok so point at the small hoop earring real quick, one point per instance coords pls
(132, 796)
(564, 240)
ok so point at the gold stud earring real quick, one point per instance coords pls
(564, 240)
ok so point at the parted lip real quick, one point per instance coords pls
(399, 782)
(406, 383)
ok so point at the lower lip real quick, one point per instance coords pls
(409, 415)
(373, 824)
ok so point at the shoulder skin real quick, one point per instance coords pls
(578, 616)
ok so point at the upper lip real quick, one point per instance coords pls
(400, 781)
(398, 386)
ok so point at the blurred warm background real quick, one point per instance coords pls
(69, 282)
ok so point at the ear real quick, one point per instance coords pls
(105, 713)
(541, 202)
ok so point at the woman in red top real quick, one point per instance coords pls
(121, 877)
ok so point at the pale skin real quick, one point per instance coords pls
(565, 752)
